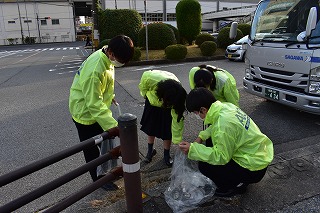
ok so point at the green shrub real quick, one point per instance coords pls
(208, 48)
(188, 15)
(245, 29)
(176, 33)
(113, 22)
(11, 41)
(103, 43)
(203, 37)
(160, 36)
(29, 40)
(223, 39)
(176, 52)
(136, 54)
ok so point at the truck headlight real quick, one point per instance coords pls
(248, 73)
(315, 74)
(314, 87)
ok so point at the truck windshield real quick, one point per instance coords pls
(281, 20)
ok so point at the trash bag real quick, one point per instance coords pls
(109, 144)
(188, 187)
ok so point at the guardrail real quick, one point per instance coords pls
(130, 170)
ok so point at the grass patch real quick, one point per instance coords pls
(193, 52)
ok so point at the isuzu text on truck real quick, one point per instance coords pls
(283, 54)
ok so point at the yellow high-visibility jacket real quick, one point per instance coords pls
(92, 92)
(148, 85)
(234, 136)
(226, 87)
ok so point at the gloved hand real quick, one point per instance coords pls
(115, 152)
(113, 132)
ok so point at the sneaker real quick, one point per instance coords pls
(168, 161)
(110, 187)
(239, 189)
(150, 156)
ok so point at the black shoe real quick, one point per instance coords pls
(110, 187)
(150, 156)
(240, 189)
(168, 161)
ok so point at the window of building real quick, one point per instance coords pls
(55, 21)
(11, 22)
(27, 21)
(43, 22)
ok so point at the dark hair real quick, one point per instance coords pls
(122, 48)
(204, 77)
(173, 95)
(199, 97)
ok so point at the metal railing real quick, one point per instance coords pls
(130, 170)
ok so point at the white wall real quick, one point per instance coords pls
(29, 11)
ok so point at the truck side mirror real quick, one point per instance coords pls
(233, 30)
(312, 21)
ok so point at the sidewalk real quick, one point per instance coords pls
(290, 185)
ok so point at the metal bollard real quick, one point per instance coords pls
(130, 162)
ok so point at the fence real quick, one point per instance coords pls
(130, 170)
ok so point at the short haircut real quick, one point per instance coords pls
(199, 97)
(122, 48)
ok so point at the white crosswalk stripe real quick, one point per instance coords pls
(12, 52)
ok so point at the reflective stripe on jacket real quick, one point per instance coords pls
(148, 85)
(234, 136)
(226, 87)
(92, 92)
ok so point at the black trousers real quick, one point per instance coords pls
(230, 175)
(85, 132)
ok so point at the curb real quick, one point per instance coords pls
(167, 61)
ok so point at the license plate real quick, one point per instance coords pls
(229, 56)
(271, 93)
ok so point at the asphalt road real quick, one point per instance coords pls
(35, 121)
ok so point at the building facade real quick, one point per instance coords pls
(23, 21)
(40, 21)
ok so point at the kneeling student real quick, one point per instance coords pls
(239, 153)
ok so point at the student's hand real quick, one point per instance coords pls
(184, 146)
(113, 132)
(115, 102)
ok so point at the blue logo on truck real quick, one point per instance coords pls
(293, 57)
(313, 59)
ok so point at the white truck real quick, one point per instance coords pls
(283, 55)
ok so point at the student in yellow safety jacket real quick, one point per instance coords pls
(92, 93)
(239, 153)
(220, 82)
(163, 111)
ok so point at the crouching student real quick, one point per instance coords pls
(163, 111)
(220, 82)
(239, 153)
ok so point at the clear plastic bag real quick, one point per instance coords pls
(109, 144)
(188, 187)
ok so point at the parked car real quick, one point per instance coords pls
(237, 50)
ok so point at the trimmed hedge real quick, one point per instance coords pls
(103, 43)
(223, 39)
(189, 22)
(203, 37)
(136, 54)
(176, 52)
(176, 33)
(208, 48)
(245, 29)
(160, 35)
(113, 22)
